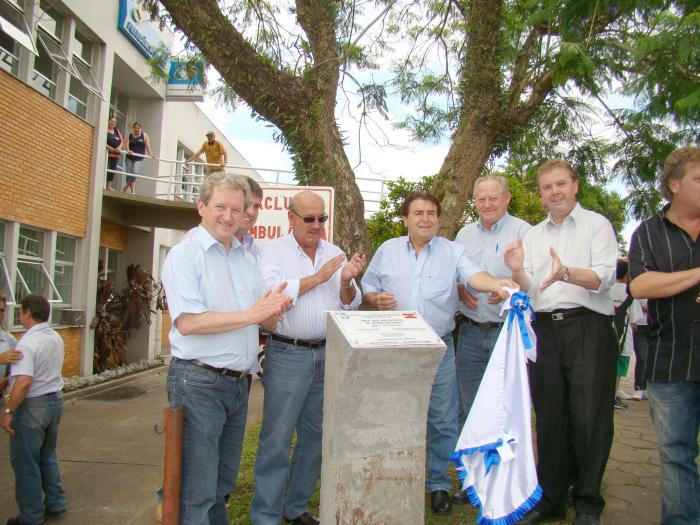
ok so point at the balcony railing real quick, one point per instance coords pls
(180, 180)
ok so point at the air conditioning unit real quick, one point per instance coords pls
(73, 317)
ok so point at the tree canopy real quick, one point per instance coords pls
(520, 80)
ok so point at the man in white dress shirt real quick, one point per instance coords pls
(318, 279)
(566, 263)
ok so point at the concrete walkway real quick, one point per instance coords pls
(111, 457)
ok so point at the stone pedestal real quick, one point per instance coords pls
(377, 391)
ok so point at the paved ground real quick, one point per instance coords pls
(109, 453)
(111, 457)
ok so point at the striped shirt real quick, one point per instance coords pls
(284, 260)
(659, 245)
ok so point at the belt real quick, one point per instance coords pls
(485, 325)
(223, 371)
(308, 343)
(562, 314)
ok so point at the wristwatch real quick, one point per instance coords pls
(566, 275)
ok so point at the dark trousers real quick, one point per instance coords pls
(573, 386)
(641, 349)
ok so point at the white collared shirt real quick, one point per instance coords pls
(585, 240)
(284, 260)
(42, 359)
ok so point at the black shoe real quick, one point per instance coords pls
(54, 513)
(586, 519)
(535, 516)
(440, 502)
(460, 498)
(304, 519)
(15, 521)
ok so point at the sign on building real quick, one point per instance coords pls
(185, 81)
(136, 25)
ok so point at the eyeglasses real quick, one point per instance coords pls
(2, 310)
(309, 219)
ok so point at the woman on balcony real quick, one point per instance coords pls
(137, 142)
(114, 149)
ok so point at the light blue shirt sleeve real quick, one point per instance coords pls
(371, 282)
(466, 268)
(181, 285)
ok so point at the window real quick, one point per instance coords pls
(83, 48)
(32, 276)
(77, 98)
(56, 52)
(64, 267)
(86, 77)
(49, 19)
(110, 260)
(44, 75)
(5, 281)
(119, 107)
(13, 33)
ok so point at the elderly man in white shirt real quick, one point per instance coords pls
(33, 414)
(566, 263)
(318, 278)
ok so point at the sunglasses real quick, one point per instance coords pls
(310, 219)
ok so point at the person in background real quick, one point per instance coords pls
(622, 303)
(640, 343)
(33, 413)
(8, 354)
(136, 142)
(114, 149)
(665, 269)
(250, 217)
(214, 152)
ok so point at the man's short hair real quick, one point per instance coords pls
(37, 306)
(255, 188)
(621, 269)
(227, 180)
(556, 163)
(419, 195)
(497, 178)
(674, 167)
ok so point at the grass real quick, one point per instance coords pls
(239, 503)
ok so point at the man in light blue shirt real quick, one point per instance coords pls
(479, 318)
(33, 414)
(217, 299)
(319, 279)
(421, 272)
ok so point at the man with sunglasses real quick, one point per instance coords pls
(319, 278)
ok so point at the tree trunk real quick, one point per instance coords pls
(320, 149)
(470, 150)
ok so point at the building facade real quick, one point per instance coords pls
(66, 66)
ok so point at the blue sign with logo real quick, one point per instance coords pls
(185, 80)
(138, 28)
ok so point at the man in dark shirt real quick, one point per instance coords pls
(665, 268)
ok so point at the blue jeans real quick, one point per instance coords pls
(474, 347)
(675, 412)
(293, 382)
(442, 421)
(215, 410)
(33, 457)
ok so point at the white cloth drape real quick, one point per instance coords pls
(494, 456)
